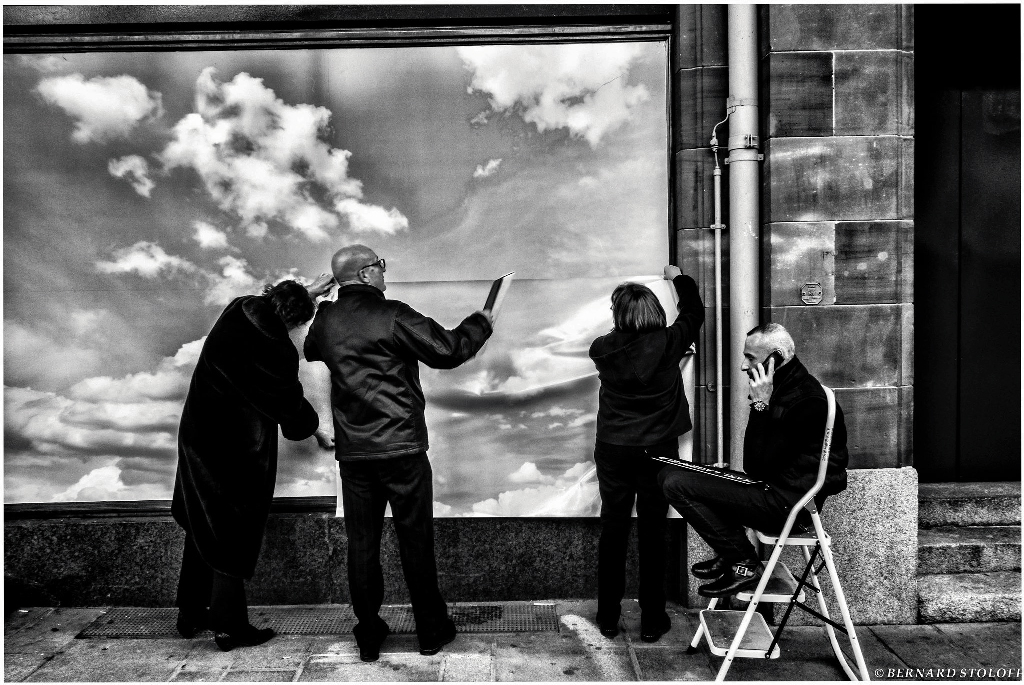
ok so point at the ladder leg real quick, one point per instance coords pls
(749, 613)
(700, 627)
(845, 611)
(829, 630)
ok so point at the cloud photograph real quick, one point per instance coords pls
(144, 191)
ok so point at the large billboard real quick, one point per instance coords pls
(143, 191)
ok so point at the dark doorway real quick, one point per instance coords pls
(967, 287)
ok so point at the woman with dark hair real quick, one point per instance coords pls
(245, 385)
(642, 411)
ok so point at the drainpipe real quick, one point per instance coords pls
(745, 230)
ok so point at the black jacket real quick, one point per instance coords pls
(245, 384)
(782, 445)
(641, 401)
(373, 347)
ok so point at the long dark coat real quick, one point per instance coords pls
(245, 384)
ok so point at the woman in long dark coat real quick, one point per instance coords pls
(244, 386)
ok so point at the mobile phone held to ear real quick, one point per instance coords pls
(776, 355)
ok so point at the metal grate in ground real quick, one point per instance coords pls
(511, 617)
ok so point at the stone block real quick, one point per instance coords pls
(841, 178)
(874, 93)
(872, 426)
(907, 26)
(905, 200)
(695, 188)
(798, 254)
(969, 504)
(699, 100)
(974, 549)
(905, 448)
(872, 261)
(835, 26)
(701, 37)
(875, 555)
(82, 562)
(695, 255)
(799, 94)
(970, 597)
(856, 346)
(292, 561)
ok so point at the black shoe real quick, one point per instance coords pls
(652, 631)
(433, 645)
(249, 636)
(738, 577)
(609, 628)
(709, 569)
(369, 641)
(192, 621)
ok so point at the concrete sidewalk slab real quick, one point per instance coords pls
(40, 645)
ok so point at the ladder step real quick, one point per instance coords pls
(721, 627)
(802, 538)
(780, 587)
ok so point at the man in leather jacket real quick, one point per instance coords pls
(781, 446)
(373, 347)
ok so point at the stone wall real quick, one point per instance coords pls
(71, 558)
(837, 110)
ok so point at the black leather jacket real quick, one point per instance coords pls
(782, 445)
(641, 401)
(373, 347)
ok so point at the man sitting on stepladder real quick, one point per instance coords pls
(782, 447)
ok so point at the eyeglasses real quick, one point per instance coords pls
(380, 262)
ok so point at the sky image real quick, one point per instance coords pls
(144, 191)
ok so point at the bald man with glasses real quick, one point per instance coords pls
(373, 347)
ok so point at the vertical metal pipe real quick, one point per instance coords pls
(719, 376)
(744, 221)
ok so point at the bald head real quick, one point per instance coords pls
(347, 262)
(356, 264)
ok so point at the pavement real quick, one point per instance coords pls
(41, 644)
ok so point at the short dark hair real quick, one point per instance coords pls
(291, 301)
(636, 308)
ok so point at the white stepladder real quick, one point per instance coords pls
(745, 632)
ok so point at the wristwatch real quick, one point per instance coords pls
(759, 405)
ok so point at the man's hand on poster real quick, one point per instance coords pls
(672, 271)
(489, 315)
(324, 439)
(320, 286)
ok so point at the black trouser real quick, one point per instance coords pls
(720, 509)
(625, 474)
(367, 486)
(199, 587)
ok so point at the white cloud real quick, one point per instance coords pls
(578, 87)
(149, 260)
(483, 171)
(263, 159)
(364, 218)
(41, 420)
(104, 107)
(529, 473)
(168, 382)
(136, 169)
(104, 483)
(233, 281)
(146, 259)
(209, 236)
(574, 493)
